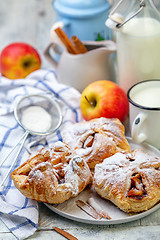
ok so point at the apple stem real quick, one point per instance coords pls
(92, 103)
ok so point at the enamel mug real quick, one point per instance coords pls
(144, 113)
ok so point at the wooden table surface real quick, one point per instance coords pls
(31, 21)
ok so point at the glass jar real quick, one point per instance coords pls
(138, 45)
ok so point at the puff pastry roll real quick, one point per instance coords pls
(96, 140)
(52, 176)
(129, 180)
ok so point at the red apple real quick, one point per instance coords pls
(104, 99)
(19, 59)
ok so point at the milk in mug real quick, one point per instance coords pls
(148, 97)
(138, 51)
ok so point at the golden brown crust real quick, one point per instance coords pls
(96, 140)
(52, 176)
(130, 180)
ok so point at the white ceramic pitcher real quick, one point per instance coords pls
(82, 69)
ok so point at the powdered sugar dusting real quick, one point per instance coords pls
(96, 139)
(77, 173)
(127, 178)
(122, 165)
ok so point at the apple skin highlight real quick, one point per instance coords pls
(104, 99)
(17, 60)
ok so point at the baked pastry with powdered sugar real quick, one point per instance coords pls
(130, 180)
(96, 139)
(62, 172)
(53, 175)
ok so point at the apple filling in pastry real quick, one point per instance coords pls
(137, 189)
(130, 180)
(52, 176)
(96, 139)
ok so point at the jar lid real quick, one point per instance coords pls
(80, 8)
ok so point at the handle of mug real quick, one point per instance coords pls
(138, 136)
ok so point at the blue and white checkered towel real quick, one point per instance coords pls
(19, 213)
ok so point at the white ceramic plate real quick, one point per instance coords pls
(69, 209)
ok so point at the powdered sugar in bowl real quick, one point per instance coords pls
(38, 114)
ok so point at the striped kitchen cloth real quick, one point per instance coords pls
(18, 213)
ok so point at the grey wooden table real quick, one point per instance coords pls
(30, 21)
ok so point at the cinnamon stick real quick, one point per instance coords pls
(65, 234)
(88, 209)
(79, 45)
(98, 208)
(64, 38)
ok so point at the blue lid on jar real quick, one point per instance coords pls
(80, 8)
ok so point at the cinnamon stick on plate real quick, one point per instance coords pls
(65, 39)
(65, 234)
(92, 202)
(88, 209)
